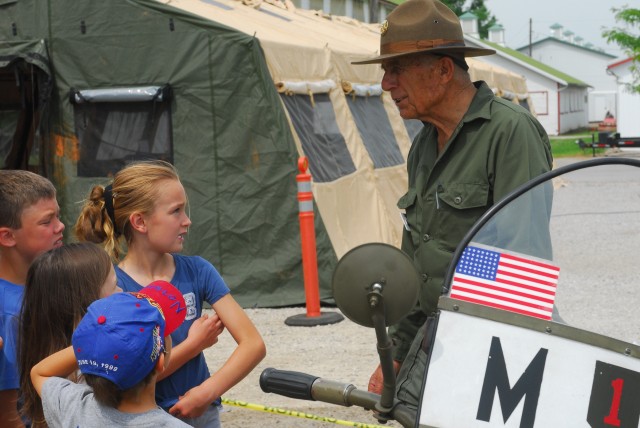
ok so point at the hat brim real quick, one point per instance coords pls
(467, 51)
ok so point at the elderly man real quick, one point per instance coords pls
(474, 148)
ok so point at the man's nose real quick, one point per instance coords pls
(388, 81)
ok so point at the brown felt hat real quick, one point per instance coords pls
(422, 26)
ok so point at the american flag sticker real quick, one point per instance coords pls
(512, 282)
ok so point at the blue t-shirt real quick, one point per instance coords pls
(10, 302)
(198, 281)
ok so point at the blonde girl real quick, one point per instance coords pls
(146, 207)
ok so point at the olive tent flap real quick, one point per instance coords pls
(226, 130)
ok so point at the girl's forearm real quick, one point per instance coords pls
(60, 364)
(240, 363)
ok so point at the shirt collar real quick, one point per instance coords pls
(480, 106)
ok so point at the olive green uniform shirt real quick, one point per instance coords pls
(496, 147)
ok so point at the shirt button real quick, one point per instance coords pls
(425, 277)
(426, 237)
(457, 199)
(440, 188)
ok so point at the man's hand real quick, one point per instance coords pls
(376, 380)
(204, 331)
(192, 404)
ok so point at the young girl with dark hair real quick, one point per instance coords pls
(60, 286)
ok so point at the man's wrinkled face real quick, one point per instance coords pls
(413, 84)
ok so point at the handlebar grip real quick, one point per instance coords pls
(287, 383)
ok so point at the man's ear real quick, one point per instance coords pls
(446, 68)
(7, 237)
(137, 222)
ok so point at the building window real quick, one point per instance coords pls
(360, 10)
(339, 7)
(316, 4)
(322, 142)
(119, 125)
(540, 100)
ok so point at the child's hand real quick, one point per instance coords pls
(218, 325)
(192, 404)
(204, 331)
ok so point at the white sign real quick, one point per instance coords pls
(483, 373)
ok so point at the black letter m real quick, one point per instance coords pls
(496, 377)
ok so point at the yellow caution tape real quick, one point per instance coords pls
(296, 414)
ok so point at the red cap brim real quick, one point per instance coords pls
(170, 301)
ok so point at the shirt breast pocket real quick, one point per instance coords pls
(461, 204)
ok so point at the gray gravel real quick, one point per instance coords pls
(595, 224)
(596, 230)
(344, 352)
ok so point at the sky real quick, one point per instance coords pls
(585, 18)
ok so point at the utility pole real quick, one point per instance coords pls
(530, 34)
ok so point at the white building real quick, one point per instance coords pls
(559, 100)
(565, 51)
(628, 102)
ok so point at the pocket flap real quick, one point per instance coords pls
(407, 199)
(465, 195)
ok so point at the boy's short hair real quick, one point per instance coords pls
(20, 189)
(122, 336)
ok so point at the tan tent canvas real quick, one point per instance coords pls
(309, 56)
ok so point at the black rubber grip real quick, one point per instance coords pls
(290, 384)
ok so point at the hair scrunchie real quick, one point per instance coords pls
(108, 203)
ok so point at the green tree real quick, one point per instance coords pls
(455, 5)
(485, 19)
(628, 39)
(479, 9)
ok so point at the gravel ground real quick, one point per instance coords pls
(595, 227)
(344, 352)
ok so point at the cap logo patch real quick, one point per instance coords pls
(157, 344)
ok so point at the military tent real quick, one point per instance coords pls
(231, 93)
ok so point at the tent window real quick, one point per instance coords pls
(8, 120)
(10, 106)
(24, 90)
(322, 143)
(375, 129)
(117, 126)
(413, 127)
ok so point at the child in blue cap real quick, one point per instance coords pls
(120, 346)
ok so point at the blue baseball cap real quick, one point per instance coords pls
(122, 336)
